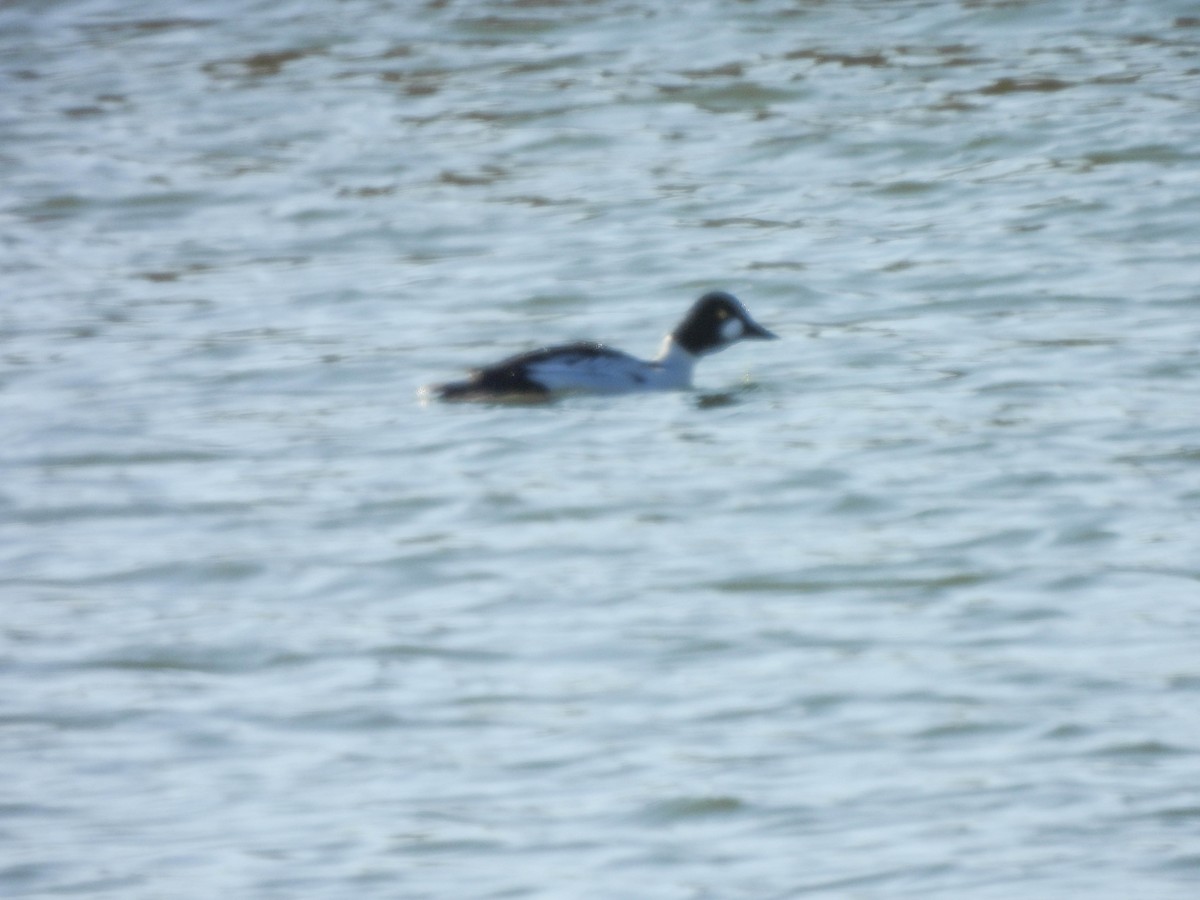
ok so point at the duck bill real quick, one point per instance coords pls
(754, 330)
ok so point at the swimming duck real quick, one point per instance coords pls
(716, 321)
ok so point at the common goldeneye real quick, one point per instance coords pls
(716, 321)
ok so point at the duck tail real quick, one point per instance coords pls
(451, 390)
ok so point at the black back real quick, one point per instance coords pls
(513, 375)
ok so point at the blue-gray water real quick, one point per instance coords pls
(906, 604)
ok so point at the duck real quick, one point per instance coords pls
(715, 322)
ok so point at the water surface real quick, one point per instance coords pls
(905, 604)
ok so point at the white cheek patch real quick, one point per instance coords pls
(732, 329)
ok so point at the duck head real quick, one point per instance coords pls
(716, 321)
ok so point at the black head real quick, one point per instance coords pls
(716, 321)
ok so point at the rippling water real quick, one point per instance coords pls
(906, 604)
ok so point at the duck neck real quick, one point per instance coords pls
(676, 363)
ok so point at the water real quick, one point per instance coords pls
(905, 604)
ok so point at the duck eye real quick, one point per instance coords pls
(722, 314)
